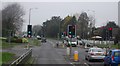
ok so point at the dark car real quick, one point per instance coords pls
(112, 58)
(43, 40)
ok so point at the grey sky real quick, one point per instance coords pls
(104, 11)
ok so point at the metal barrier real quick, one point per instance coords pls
(22, 59)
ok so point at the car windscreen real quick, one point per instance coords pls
(74, 40)
(97, 50)
(116, 54)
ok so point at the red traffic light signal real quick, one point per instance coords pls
(110, 29)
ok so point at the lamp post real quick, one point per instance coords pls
(30, 14)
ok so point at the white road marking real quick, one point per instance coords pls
(86, 64)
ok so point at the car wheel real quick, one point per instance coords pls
(75, 45)
(86, 58)
(89, 59)
(105, 65)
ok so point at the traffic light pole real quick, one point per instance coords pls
(70, 48)
(29, 15)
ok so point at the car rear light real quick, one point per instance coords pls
(112, 57)
(91, 53)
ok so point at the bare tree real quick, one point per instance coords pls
(12, 18)
(83, 25)
(91, 25)
(36, 30)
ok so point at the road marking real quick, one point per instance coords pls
(86, 64)
(72, 64)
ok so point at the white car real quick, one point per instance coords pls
(95, 53)
(72, 42)
(38, 37)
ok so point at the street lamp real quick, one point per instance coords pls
(30, 14)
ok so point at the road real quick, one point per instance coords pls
(47, 54)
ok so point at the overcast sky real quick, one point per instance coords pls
(103, 11)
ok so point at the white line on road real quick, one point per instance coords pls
(72, 64)
(86, 64)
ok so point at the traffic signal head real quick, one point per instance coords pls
(29, 31)
(110, 28)
(72, 30)
(110, 32)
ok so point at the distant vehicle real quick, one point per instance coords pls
(72, 42)
(38, 37)
(88, 45)
(80, 42)
(43, 40)
(112, 58)
(95, 53)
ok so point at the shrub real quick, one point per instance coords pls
(24, 40)
(18, 41)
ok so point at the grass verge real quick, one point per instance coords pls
(6, 57)
(5, 45)
(34, 42)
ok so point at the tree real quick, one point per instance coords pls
(66, 21)
(12, 19)
(83, 25)
(51, 27)
(111, 24)
(36, 30)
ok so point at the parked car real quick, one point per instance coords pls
(43, 40)
(112, 58)
(95, 54)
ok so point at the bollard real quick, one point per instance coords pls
(53, 45)
(75, 55)
(63, 45)
(68, 51)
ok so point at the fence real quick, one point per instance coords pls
(99, 42)
(22, 59)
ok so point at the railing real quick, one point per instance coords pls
(22, 59)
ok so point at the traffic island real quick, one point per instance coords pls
(71, 60)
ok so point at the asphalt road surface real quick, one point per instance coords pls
(48, 54)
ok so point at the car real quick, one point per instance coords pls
(112, 58)
(95, 54)
(72, 42)
(43, 40)
(38, 37)
(88, 45)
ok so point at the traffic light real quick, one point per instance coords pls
(29, 31)
(64, 34)
(71, 31)
(110, 32)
